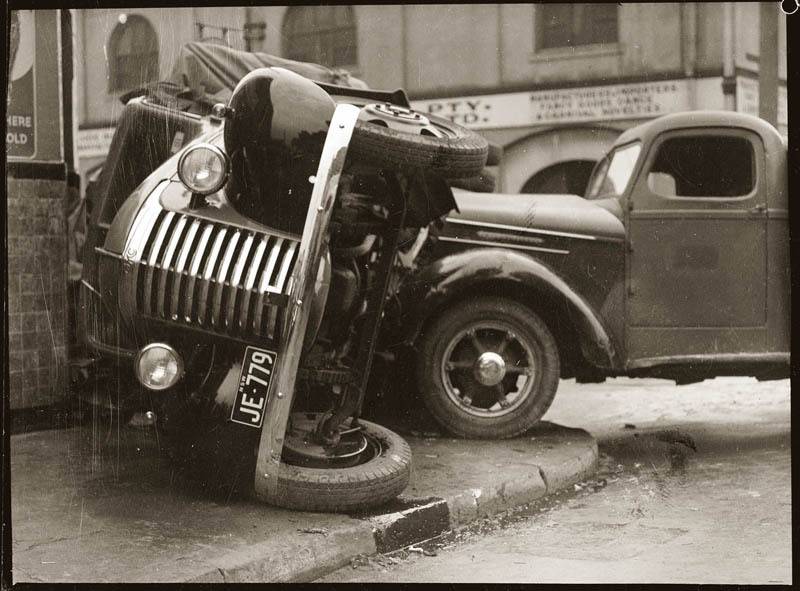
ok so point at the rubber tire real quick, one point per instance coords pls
(349, 489)
(430, 357)
(461, 157)
(220, 458)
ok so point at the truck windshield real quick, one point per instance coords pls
(612, 175)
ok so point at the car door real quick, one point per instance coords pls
(697, 262)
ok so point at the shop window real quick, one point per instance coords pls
(322, 34)
(703, 166)
(132, 53)
(568, 25)
(565, 177)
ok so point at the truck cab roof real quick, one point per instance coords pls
(646, 132)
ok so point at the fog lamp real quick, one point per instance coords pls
(158, 366)
(203, 169)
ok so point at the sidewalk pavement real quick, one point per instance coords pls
(96, 506)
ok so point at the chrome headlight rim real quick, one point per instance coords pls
(172, 352)
(226, 168)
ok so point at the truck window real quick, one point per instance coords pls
(703, 166)
(614, 172)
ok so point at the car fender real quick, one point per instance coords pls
(452, 276)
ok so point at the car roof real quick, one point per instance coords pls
(645, 132)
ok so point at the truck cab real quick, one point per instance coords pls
(707, 259)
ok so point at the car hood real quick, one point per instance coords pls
(558, 213)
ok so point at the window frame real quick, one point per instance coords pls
(756, 151)
(583, 47)
(114, 72)
(608, 157)
(324, 38)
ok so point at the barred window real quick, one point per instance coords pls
(322, 34)
(132, 53)
(567, 25)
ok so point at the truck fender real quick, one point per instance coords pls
(454, 275)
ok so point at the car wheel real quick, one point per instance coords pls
(368, 468)
(392, 136)
(369, 478)
(487, 368)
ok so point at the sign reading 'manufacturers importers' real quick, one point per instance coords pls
(591, 103)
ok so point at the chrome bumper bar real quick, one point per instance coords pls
(312, 245)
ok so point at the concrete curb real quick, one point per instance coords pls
(291, 561)
(428, 518)
(397, 530)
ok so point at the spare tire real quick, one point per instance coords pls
(391, 136)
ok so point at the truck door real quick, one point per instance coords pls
(697, 264)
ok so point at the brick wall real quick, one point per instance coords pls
(37, 291)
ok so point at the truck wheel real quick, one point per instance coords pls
(396, 137)
(487, 368)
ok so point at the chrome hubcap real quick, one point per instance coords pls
(490, 369)
(398, 112)
(403, 119)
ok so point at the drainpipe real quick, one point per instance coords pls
(500, 72)
(500, 170)
(688, 12)
(768, 64)
(83, 36)
(404, 53)
(728, 56)
(248, 18)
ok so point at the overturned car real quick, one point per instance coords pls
(237, 268)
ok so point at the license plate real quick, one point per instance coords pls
(254, 380)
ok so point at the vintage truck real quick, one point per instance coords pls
(674, 264)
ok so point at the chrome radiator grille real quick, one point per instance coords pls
(214, 276)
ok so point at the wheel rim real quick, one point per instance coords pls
(407, 120)
(489, 369)
(301, 449)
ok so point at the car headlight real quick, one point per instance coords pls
(158, 366)
(203, 169)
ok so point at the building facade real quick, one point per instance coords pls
(553, 84)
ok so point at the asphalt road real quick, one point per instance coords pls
(694, 487)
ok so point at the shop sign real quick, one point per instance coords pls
(591, 103)
(33, 113)
(94, 142)
(747, 101)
